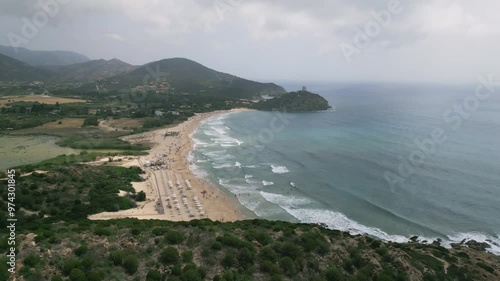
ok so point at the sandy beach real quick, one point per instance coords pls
(173, 192)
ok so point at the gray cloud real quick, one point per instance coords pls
(255, 37)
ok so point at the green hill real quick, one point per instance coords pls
(38, 58)
(56, 241)
(14, 70)
(188, 76)
(90, 71)
(294, 102)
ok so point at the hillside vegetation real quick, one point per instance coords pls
(57, 242)
(186, 76)
(89, 71)
(294, 102)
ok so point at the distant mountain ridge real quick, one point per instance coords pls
(185, 75)
(90, 71)
(179, 75)
(14, 70)
(43, 58)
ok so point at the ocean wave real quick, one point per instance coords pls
(292, 184)
(222, 166)
(248, 176)
(237, 164)
(198, 143)
(297, 207)
(279, 169)
(267, 183)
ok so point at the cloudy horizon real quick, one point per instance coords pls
(341, 40)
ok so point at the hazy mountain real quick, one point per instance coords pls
(14, 70)
(188, 76)
(36, 58)
(90, 71)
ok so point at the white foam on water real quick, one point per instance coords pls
(279, 169)
(228, 145)
(248, 176)
(251, 166)
(197, 171)
(267, 183)
(285, 200)
(210, 133)
(494, 242)
(222, 166)
(292, 184)
(297, 207)
(237, 164)
(219, 155)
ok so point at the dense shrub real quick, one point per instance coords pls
(77, 275)
(187, 257)
(130, 264)
(174, 237)
(169, 256)
(153, 275)
(229, 259)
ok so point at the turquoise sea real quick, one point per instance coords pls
(391, 161)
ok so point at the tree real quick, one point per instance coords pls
(141, 196)
(91, 121)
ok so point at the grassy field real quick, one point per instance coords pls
(65, 123)
(41, 99)
(125, 123)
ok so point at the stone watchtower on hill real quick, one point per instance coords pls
(304, 88)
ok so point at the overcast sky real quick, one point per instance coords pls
(276, 40)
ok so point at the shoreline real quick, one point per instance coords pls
(169, 182)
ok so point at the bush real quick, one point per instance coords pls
(91, 121)
(334, 274)
(80, 251)
(216, 246)
(77, 275)
(229, 260)
(174, 237)
(153, 275)
(130, 264)
(268, 266)
(267, 253)
(157, 231)
(245, 258)
(117, 257)
(187, 257)
(32, 260)
(141, 196)
(71, 264)
(288, 266)
(169, 256)
(288, 249)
